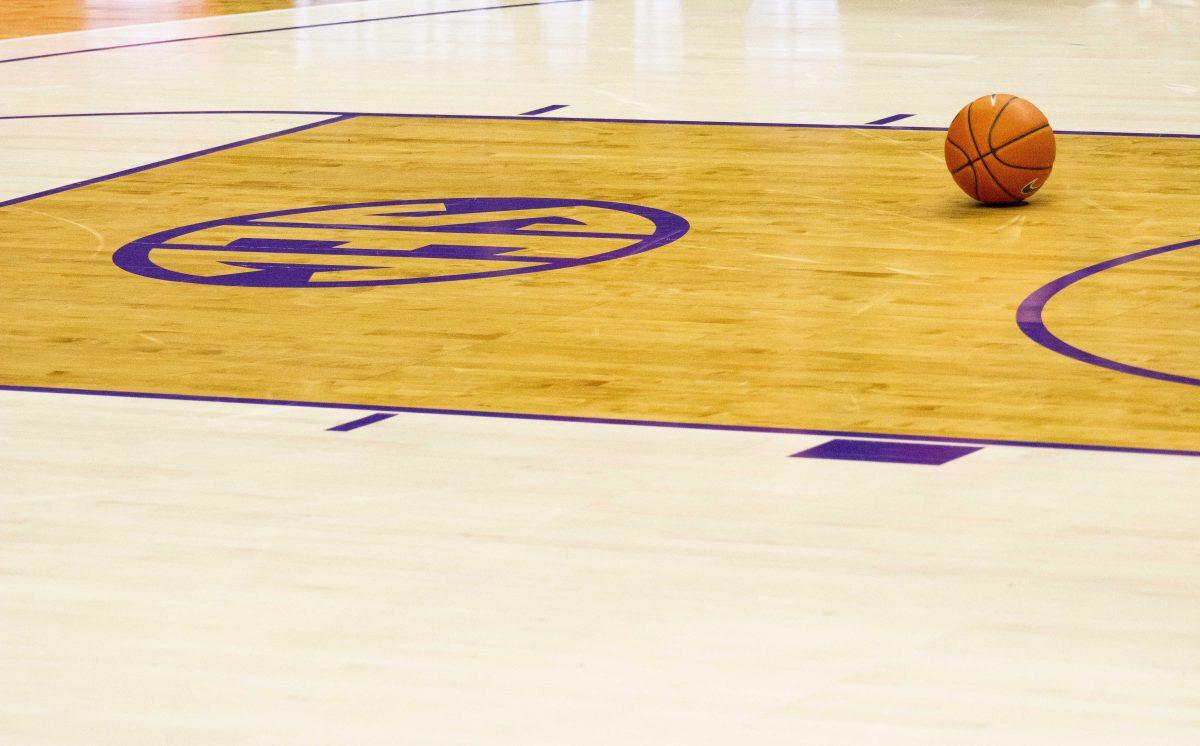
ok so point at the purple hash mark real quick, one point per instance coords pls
(544, 110)
(370, 419)
(892, 118)
(1031, 317)
(927, 454)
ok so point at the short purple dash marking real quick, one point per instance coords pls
(892, 118)
(544, 110)
(370, 419)
(928, 454)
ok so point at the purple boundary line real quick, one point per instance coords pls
(521, 118)
(175, 159)
(543, 110)
(1031, 312)
(509, 117)
(284, 28)
(600, 420)
(370, 419)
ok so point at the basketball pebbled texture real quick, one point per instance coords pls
(1000, 149)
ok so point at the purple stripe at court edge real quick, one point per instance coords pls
(177, 159)
(887, 452)
(286, 28)
(1031, 317)
(892, 118)
(371, 419)
(544, 110)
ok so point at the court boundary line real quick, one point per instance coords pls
(589, 420)
(297, 27)
(335, 117)
(522, 118)
(175, 159)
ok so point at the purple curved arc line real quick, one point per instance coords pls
(1030, 317)
(284, 28)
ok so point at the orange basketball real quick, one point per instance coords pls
(1000, 149)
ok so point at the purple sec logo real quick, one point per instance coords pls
(400, 242)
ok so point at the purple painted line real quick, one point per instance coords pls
(927, 454)
(1105, 133)
(439, 229)
(370, 419)
(176, 159)
(892, 118)
(668, 227)
(503, 117)
(178, 112)
(1031, 313)
(286, 28)
(544, 110)
(602, 420)
(432, 251)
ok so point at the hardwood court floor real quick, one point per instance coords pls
(805, 294)
(35, 17)
(210, 572)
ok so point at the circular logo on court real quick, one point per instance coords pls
(400, 242)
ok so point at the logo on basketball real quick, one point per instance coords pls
(400, 242)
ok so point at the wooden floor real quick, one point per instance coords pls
(35, 17)
(633, 556)
(836, 303)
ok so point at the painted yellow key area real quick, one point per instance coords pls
(830, 279)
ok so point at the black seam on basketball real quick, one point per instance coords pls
(997, 181)
(995, 119)
(971, 130)
(1002, 147)
(1022, 168)
(975, 182)
(960, 149)
(996, 153)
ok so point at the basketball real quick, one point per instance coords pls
(1000, 149)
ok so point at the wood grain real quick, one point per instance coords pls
(37, 17)
(831, 279)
